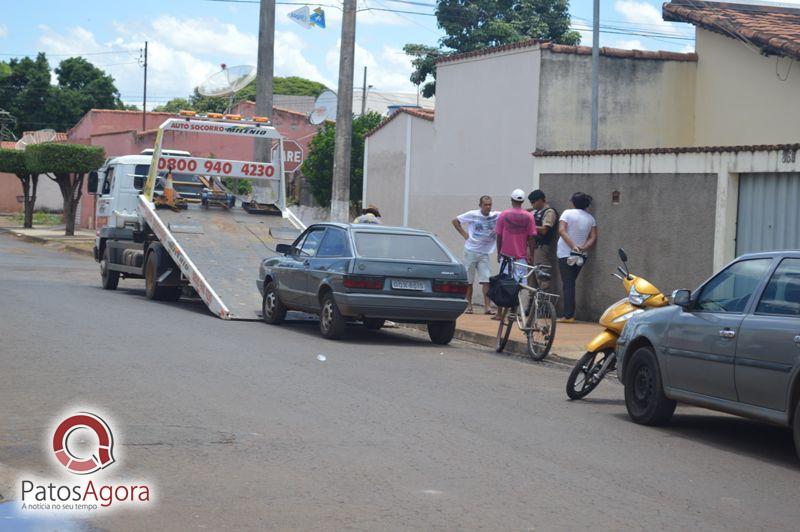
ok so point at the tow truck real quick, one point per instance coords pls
(166, 217)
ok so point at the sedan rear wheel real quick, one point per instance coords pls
(331, 321)
(441, 332)
(374, 324)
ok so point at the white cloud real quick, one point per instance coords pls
(628, 44)
(180, 56)
(389, 70)
(3, 31)
(646, 15)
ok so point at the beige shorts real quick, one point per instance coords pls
(477, 265)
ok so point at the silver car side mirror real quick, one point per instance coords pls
(682, 298)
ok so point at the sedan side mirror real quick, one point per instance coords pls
(92, 184)
(682, 298)
(283, 249)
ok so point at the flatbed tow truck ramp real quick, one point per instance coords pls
(226, 247)
(211, 244)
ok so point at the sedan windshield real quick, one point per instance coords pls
(399, 247)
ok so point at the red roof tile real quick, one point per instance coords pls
(773, 29)
(567, 49)
(685, 149)
(425, 114)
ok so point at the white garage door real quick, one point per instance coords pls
(769, 212)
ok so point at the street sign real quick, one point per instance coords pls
(292, 155)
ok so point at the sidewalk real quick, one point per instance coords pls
(568, 346)
(53, 235)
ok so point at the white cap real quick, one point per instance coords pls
(518, 195)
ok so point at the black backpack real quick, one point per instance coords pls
(503, 288)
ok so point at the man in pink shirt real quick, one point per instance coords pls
(516, 229)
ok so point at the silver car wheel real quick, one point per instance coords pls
(327, 315)
(271, 302)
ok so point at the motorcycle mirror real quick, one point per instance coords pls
(622, 255)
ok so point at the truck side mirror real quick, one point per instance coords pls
(682, 298)
(92, 184)
(138, 182)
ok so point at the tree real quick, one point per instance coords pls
(67, 165)
(27, 93)
(424, 63)
(471, 25)
(318, 166)
(292, 86)
(13, 162)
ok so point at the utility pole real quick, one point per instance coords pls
(144, 98)
(264, 82)
(340, 191)
(595, 71)
(364, 93)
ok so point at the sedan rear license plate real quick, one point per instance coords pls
(405, 284)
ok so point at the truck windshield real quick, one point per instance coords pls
(399, 247)
(143, 169)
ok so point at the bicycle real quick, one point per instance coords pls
(535, 317)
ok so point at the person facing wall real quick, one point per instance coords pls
(577, 231)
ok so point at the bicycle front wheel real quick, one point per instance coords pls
(504, 329)
(542, 331)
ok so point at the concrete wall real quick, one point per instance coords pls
(665, 222)
(485, 129)
(740, 98)
(643, 102)
(386, 168)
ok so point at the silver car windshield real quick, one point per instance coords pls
(399, 247)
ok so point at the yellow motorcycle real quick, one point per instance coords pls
(600, 358)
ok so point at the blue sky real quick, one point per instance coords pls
(190, 38)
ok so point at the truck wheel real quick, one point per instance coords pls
(331, 321)
(151, 287)
(110, 278)
(644, 390)
(272, 308)
(441, 332)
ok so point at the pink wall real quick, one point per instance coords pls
(10, 188)
(119, 133)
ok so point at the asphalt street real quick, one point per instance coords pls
(242, 425)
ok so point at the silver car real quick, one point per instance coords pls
(732, 345)
(368, 273)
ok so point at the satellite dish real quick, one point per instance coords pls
(324, 108)
(227, 82)
(36, 137)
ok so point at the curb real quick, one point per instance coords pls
(44, 241)
(513, 347)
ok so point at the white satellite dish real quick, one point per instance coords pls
(35, 137)
(324, 108)
(227, 82)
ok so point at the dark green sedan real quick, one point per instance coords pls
(367, 273)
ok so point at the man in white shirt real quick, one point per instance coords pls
(578, 232)
(479, 243)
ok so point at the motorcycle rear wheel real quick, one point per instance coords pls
(587, 374)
